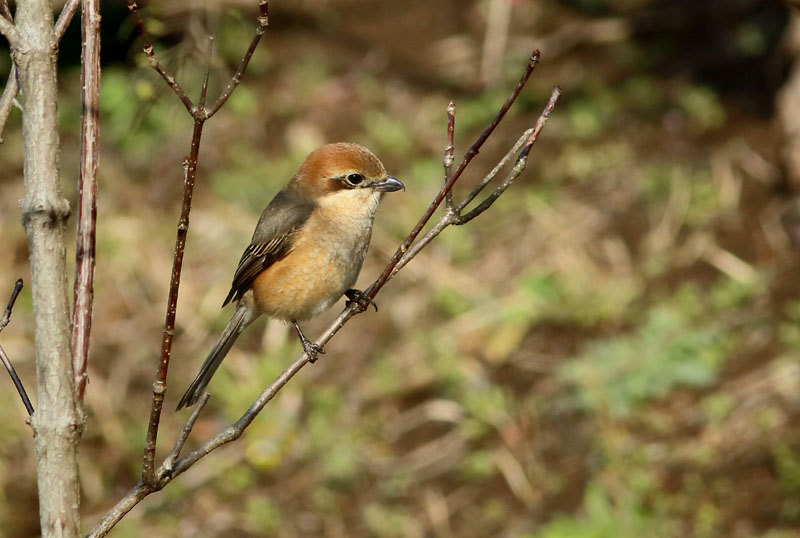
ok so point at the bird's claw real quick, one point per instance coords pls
(311, 349)
(360, 298)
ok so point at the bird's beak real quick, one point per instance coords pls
(389, 184)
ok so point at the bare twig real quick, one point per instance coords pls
(160, 384)
(8, 30)
(5, 11)
(65, 17)
(519, 166)
(118, 511)
(169, 461)
(263, 22)
(496, 170)
(147, 47)
(204, 89)
(87, 189)
(7, 314)
(10, 91)
(449, 148)
(4, 358)
(471, 153)
(453, 216)
(17, 382)
(525, 142)
(7, 100)
(12, 86)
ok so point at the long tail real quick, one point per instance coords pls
(236, 325)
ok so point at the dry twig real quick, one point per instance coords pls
(87, 194)
(12, 85)
(4, 358)
(65, 17)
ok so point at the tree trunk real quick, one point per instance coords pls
(55, 423)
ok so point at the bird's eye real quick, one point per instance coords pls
(355, 179)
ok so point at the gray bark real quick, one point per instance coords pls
(56, 424)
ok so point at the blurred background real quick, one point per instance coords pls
(613, 350)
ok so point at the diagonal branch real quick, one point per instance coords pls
(5, 11)
(65, 17)
(12, 86)
(471, 153)
(263, 22)
(9, 31)
(4, 358)
(26, 401)
(147, 47)
(520, 164)
(169, 462)
(7, 100)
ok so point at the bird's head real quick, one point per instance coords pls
(345, 173)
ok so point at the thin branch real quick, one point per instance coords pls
(449, 148)
(471, 153)
(87, 188)
(17, 382)
(4, 358)
(65, 17)
(147, 47)
(453, 216)
(525, 142)
(519, 166)
(14, 294)
(12, 85)
(7, 100)
(169, 461)
(554, 97)
(118, 511)
(204, 89)
(496, 170)
(5, 11)
(160, 384)
(263, 22)
(9, 31)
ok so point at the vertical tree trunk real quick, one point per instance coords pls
(44, 213)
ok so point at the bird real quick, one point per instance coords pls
(307, 248)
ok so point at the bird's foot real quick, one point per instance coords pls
(309, 348)
(359, 298)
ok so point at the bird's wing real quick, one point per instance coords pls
(272, 240)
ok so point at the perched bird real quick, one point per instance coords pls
(307, 248)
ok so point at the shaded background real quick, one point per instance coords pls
(612, 351)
